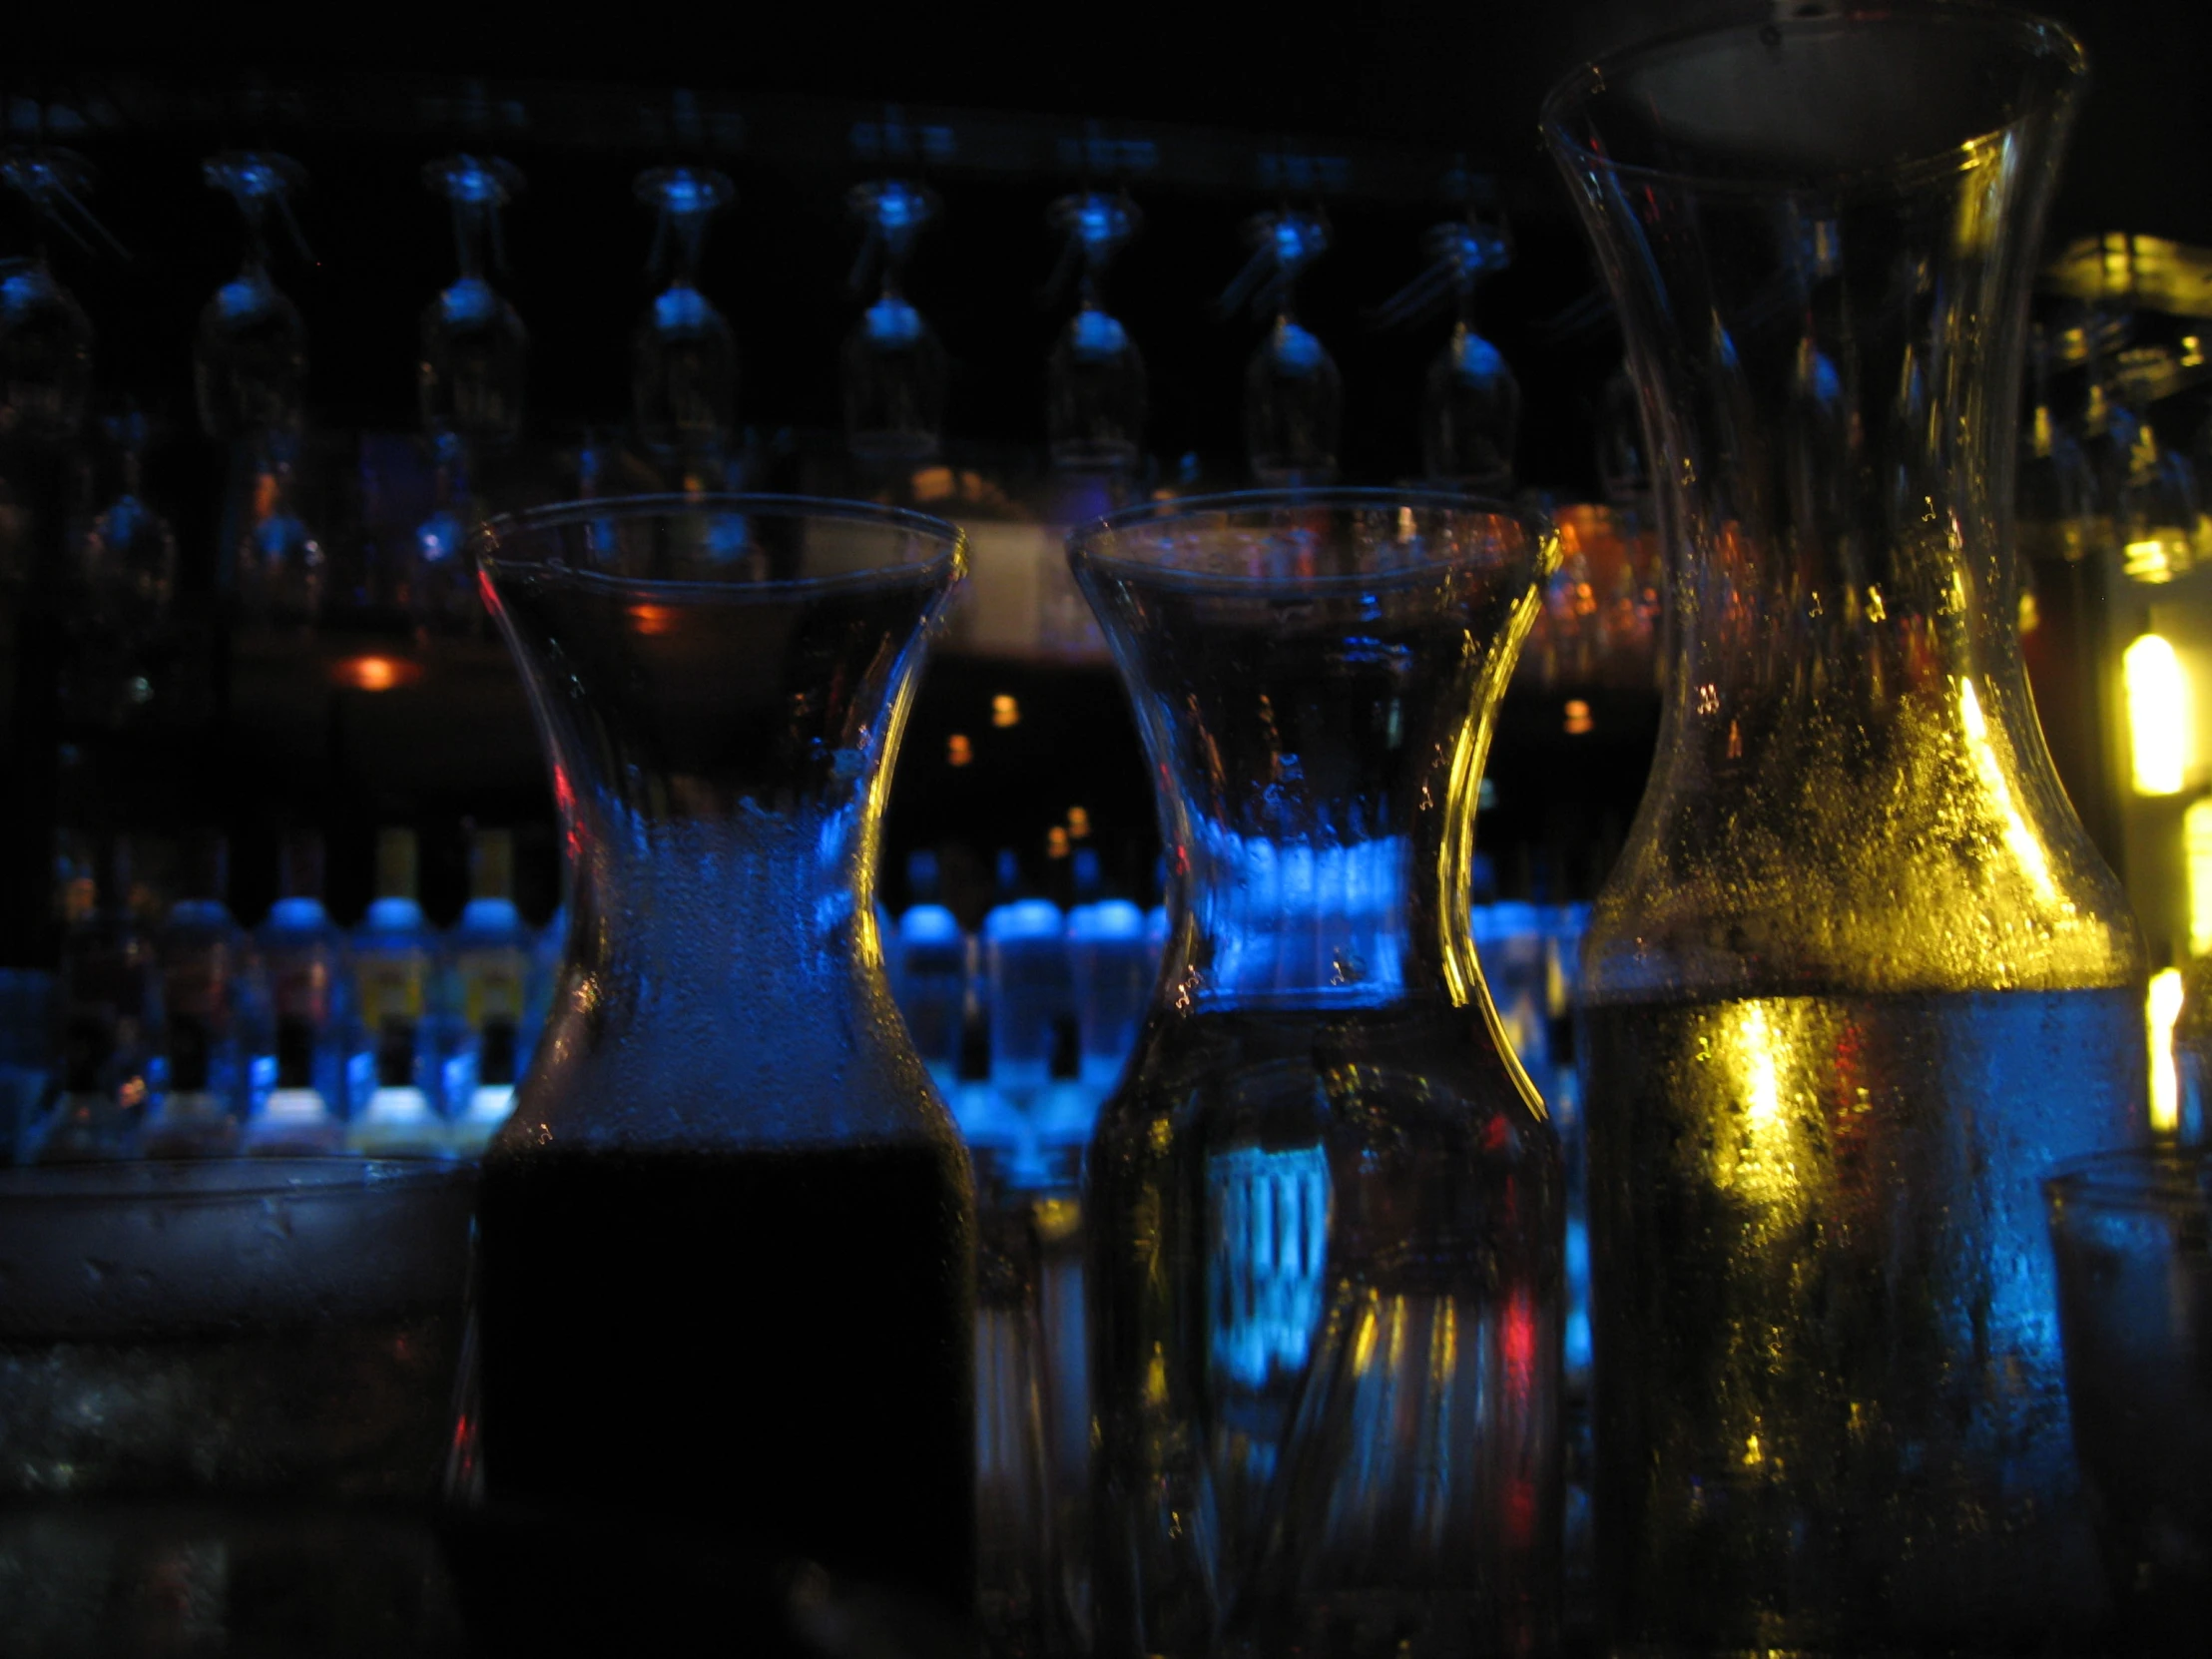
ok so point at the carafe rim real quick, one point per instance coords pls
(505, 542)
(2037, 37)
(1113, 542)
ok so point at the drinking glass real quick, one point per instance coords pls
(226, 1396)
(2134, 1235)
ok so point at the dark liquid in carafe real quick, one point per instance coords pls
(767, 1354)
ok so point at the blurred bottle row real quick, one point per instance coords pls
(172, 1029)
(183, 1033)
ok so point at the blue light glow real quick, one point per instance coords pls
(1297, 350)
(682, 309)
(891, 324)
(1097, 338)
(470, 302)
(1474, 359)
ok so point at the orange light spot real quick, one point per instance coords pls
(1079, 823)
(1056, 842)
(652, 620)
(1005, 711)
(957, 750)
(933, 483)
(375, 673)
(1578, 717)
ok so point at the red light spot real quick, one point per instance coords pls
(1517, 1343)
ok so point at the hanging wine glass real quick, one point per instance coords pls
(2056, 491)
(45, 336)
(1293, 396)
(277, 561)
(1470, 405)
(895, 366)
(123, 577)
(441, 588)
(2155, 507)
(475, 350)
(1095, 379)
(684, 356)
(249, 362)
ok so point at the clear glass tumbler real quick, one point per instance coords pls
(225, 1402)
(2133, 1236)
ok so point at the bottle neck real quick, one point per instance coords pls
(768, 906)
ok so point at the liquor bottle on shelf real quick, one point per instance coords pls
(474, 368)
(392, 1057)
(491, 1021)
(297, 1075)
(1025, 960)
(895, 366)
(206, 967)
(1112, 966)
(1292, 394)
(109, 1000)
(683, 355)
(1095, 377)
(929, 973)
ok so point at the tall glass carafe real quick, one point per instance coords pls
(1858, 976)
(728, 1231)
(1326, 1199)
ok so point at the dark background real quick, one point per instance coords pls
(1427, 87)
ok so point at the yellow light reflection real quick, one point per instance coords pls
(2196, 842)
(1762, 1168)
(2165, 1085)
(2157, 715)
(2148, 560)
(2022, 842)
(1005, 711)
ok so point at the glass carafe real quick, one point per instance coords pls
(1324, 1202)
(728, 1212)
(1858, 977)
